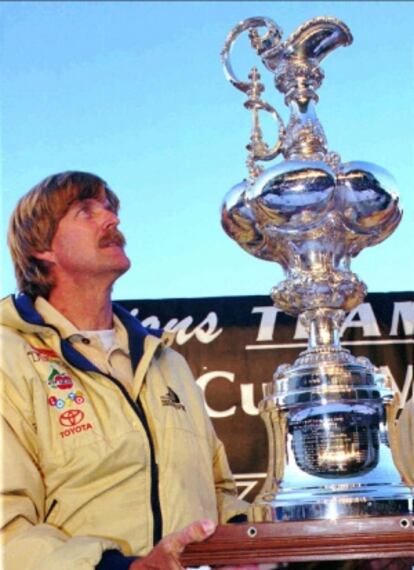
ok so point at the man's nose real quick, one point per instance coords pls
(109, 218)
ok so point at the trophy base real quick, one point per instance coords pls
(306, 504)
(388, 538)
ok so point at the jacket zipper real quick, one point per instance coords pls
(155, 497)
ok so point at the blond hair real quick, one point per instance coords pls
(35, 219)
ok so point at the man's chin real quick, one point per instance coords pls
(123, 267)
(117, 268)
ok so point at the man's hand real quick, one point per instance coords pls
(166, 554)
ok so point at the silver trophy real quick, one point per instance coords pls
(327, 414)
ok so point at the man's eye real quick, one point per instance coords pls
(85, 210)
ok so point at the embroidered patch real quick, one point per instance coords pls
(172, 399)
(40, 353)
(61, 380)
(71, 399)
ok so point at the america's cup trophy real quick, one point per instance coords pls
(329, 414)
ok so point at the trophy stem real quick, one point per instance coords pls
(305, 137)
(323, 327)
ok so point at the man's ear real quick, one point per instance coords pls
(47, 256)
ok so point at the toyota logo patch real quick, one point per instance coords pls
(71, 417)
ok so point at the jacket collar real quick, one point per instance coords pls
(137, 333)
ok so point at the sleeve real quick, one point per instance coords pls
(27, 540)
(230, 508)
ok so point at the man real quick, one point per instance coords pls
(107, 445)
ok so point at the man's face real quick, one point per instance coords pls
(87, 243)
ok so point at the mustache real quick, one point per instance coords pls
(112, 236)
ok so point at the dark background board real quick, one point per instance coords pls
(234, 344)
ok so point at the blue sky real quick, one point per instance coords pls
(135, 92)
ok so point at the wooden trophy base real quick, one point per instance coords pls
(342, 539)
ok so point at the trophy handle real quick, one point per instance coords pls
(269, 41)
(257, 147)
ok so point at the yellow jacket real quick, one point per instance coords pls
(87, 468)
